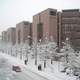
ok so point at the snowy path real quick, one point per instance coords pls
(6, 72)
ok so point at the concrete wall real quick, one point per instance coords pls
(49, 24)
(23, 30)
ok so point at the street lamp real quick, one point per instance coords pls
(51, 56)
(26, 49)
(35, 43)
(46, 51)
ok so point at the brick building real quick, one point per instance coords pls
(45, 25)
(23, 30)
(69, 26)
(49, 24)
(11, 35)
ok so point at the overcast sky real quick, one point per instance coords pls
(14, 11)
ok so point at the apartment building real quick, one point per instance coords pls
(23, 31)
(69, 27)
(51, 25)
(4, 36)
(45, 25)
(11, 35)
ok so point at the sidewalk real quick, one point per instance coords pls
(54, 75)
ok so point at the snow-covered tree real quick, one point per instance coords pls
(71, 60)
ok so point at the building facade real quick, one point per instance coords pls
(45, 25)
(4, 36)
(11, 35)
(48, 24)
(23, 31)
(69, 27)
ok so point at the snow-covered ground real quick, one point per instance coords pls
(43, 52)
(6, 73)
(51, 72)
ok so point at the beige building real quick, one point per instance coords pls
(23, 31)
(4, 36)
(11, 35)
(45, 25)
(48, 24)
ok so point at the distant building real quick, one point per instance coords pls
(4, 36)
(0, 37)
(45, 25)
(11, 35)
(23, 31)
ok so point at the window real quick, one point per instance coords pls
(26, 23)
(78, 30)
(53, 13)
(39, 27)
(40, 31)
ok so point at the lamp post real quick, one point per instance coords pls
(26, 48)
(16, 51)
(35, 45)
(51, 54)
(46, 51)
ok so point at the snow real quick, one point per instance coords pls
(8, 74)
(18, 53)
(51, 72)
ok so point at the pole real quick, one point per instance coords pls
(35, 52)
(21, 54)
(16, 52)
(27, 54)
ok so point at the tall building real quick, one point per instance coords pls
(48, 24)
(69, 26)
(11, 35)
(4, 36)
(23, 31)
(45, 25)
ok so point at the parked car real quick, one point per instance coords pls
(16, 68)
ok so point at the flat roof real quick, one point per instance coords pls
(71, 10)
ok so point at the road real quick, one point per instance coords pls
(6, 72)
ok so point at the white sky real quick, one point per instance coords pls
(14, 11)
